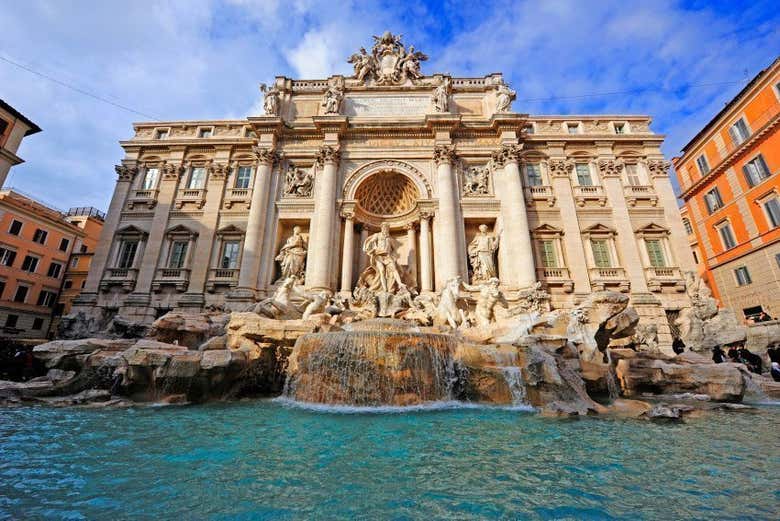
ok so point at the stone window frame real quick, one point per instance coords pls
(687, 225)
(145, 167)
(128, 233)
(703, 157)
(230, 232)
(625, 125)
(756, 156)
(601, 232)
(544, 171)
(173, 234)
(654, 231)
(547, 232)
(530, 128)
(240, 162)
(36, 258)
(733, 124)
(568, 125)
(204, 128)
(763, 200)
(158, 133)
(736, 276)
(590, 160)
(722, 224)
(22, 284)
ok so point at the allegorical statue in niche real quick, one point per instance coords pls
(292, 256)
(441, 96)
(475, 181)
(298, 182)
(482, 251)
(271, 100)
(331, 102)
(504, 97)
(363, 64)
(382, 272)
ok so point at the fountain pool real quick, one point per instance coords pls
(265, 460)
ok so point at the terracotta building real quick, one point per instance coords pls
(222, 213)
(13, 128)
(731, 190)
(36, 242)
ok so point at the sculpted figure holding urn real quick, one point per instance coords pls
(292, 256)
(482, 255)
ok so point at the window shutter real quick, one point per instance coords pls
(600, 254)
(549, 259)
(655, 253)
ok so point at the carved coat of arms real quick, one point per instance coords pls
(389, 63)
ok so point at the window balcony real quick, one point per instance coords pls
(539, 193)
(177, 277)
(658, 277)
(238, 195)
(603, 278)
(640, 193)
(196, 196)
(556, 277)
(124, 277)
(585, 193)
(227, 277)
(146, 198)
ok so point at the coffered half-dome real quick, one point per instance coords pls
(387, 194)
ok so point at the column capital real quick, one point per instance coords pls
(444, 154)
(507, 154)
(125, 173)
(348, 214)
(426, 214)
(328, 154)
(610, 167)
(218, 171)
(658, 167)
(265, 155)
(172, 171)
(560, 167)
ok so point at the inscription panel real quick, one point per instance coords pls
(387, 105)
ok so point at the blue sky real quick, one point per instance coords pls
(197, 59)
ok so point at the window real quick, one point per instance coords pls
(2, 288)
(21, 294)
(756, 170)
(688, 227)
(713, 200)
(83, 248)
(695, 257)
(704, 166)
(229, 255)
(178, 254)
(74, 263)
(11, 320)
(68, 284)
(772, 209)
(655, 253)
(126, 256)
(37, 323)
(248, 132)
(205, 132)
(601, 257)
(40, 236)
(197, 178)
(30, 263)
(54, 270)
(16, 227)
(777, 259)
(739, 131)
(7, 257)
(530, 129)
(533, 173)
(83, 283)
(727, 236)
(583, 174)
(743, 276)
(3, 126)
(573, 128)
(150, 178)
(64, 243)
(620, 128)
(161, 133)
(46, 298)
(632, 174)
(549, 258)
(243, 176)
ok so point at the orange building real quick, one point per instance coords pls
(731, 190)
(91, 221)
(36, 242)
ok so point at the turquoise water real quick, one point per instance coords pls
(263, 460)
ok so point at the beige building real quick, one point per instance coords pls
(221, 212)
(13, 128)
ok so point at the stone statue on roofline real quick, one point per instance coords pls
(271, 100)
(441, 96)
(331, 101)
(504, 97)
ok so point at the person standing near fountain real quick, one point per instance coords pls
(381, 250)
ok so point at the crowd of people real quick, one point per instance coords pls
(737, 353)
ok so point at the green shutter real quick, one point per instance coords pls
(655, 252)
(549, 260)
(601, 253)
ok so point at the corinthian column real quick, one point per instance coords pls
(519, 270)
(348, 255)
(448, 254)
(426, 271)
(255, 225)
(322, 227)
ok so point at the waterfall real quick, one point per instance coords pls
(514, 379)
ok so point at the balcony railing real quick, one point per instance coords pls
(635, 193)
(143, 197)
(238, 195)
(124, 277)
(608, 273)
(585, 193)
(657, 277)
(178, 277)
(86, 211)
(222, 277)
(540, 193)
(556, 277)
(191, 195)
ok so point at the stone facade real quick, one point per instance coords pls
(205, 212)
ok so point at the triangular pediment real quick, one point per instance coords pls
(180, 229)
(652, 228)
(131, 230)
(599, 228)
(230, 229)
(547, 229)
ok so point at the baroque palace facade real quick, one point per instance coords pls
(223, 212)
